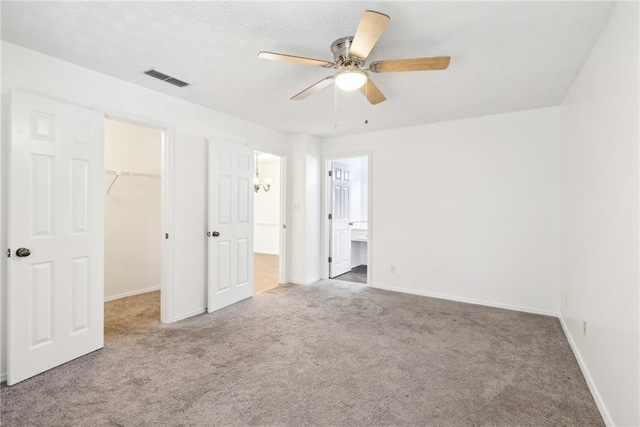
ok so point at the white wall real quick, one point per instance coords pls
(304, 222)
(132, 217)
(600, 217)
(313, 210)
(266, 207)
(47, 76)
(190, 225)
(297, 221)
(466, 209)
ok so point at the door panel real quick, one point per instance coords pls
(340, 245)
(41, 192)
(231, 218)
(41, 308)
(55, 294)
(79, 196)
(80, 292)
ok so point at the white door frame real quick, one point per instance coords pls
(282, 245)
(326, 209)
(167, 190)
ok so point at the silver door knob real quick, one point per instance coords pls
(23, 252)
(215, 233)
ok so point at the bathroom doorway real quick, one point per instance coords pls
(347, 225)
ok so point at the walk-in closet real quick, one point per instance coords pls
(133, 226)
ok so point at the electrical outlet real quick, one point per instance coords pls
(584, 328)
(392, 270)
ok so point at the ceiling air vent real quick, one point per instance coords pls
(166, 78)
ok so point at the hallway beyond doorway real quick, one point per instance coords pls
(265, 272)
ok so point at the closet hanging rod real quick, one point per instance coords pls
(118, 173)
(126, 173)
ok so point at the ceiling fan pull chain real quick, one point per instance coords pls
(335, 107)
(366, 103)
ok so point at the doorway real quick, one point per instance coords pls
(268, 194)
(58, 175)
(347, 228)
(133, 221)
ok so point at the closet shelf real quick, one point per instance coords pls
(119, 173)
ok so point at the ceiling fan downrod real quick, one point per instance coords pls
(340, 50)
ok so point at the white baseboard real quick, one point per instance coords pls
(189, 314)
(466, 300)
(132, 293)
(587, 375)
(305, 282)
(3, 377)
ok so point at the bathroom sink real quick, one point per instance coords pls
(359, 234)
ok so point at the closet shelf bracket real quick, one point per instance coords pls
(115, 178)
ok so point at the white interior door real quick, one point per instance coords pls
(230, 224)
(56, 235)
(340, 217)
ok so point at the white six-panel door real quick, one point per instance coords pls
(55, 292)
(341, 214)
(230, 224)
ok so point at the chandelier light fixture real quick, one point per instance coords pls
(258, 182)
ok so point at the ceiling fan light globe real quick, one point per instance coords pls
(350, 80)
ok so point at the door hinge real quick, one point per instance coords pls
(166, 235)
(330, 216)
(330, 259)
(330, 173)
(9, 253)
(284, 226)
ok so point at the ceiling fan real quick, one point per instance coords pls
(350, 54)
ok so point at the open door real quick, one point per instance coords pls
(56, 235)
(340, 246)
(230, 224)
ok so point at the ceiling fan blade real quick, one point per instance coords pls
(316, 87)
(373, 94)
(413, 64)
(296, 59)
(371, 26)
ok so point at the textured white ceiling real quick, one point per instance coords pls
(506, 56)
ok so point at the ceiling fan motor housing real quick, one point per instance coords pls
(340, 51)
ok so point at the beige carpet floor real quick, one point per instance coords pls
(334, 353)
